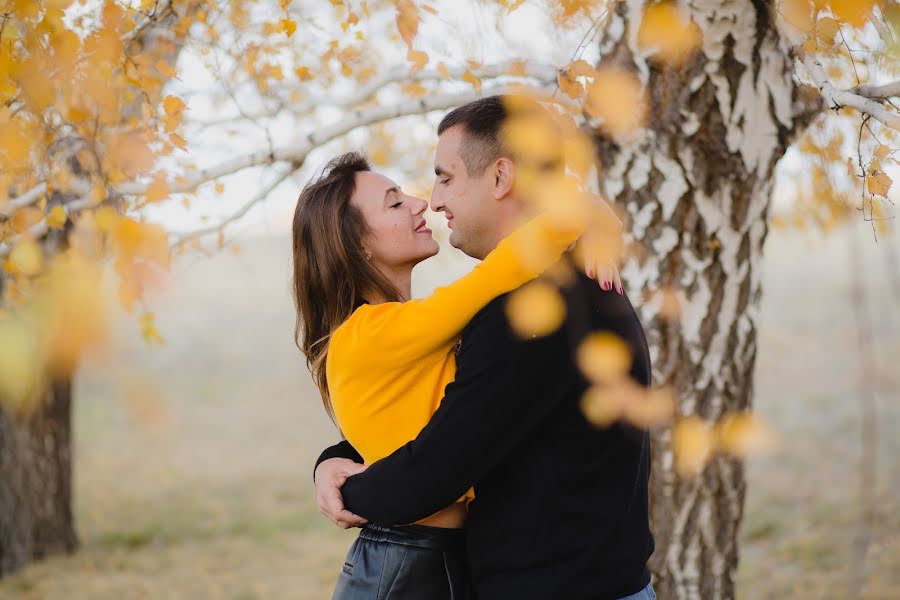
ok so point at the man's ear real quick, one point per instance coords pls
(504, 176)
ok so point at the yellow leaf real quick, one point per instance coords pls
(470, 77)
(798, 13)
(693, 443)
(288, 26)
(602, 405)
(304, 74)
(581, 68)
(26, 258)
(535, 310)
(442, 70)
(413, 89)
(158, 189)
(568, 85)
(20, 363)
(57, 217)
(173, 105)
(220, 188)
(617, 99)
(407, 20)
(603, 357)
(744, 435)
(106, 218)
(148, 329)
(650, 409)
(879, 183)
(667, 33)
(826, 29)
(75, 315)
(418, 58)
(853, 12)
(178, 141)
(164, 68)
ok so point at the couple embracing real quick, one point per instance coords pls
(467, 463)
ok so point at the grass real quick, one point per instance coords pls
(193, 461)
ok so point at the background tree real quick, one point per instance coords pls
(690, 108)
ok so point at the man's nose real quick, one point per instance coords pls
(437, 205)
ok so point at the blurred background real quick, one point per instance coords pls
(193, 461)
(196, 425)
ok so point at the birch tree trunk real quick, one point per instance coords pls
(697, 186)
(35, 445)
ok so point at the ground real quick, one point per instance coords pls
(193, 461)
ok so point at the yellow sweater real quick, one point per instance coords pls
(388, 364)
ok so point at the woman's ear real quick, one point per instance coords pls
(504, 176)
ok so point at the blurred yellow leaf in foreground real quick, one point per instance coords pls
(535, 310)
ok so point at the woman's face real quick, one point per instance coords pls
(397, 236)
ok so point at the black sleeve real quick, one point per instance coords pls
(499, 398)
(342, 449)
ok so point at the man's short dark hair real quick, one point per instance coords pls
(482, 121)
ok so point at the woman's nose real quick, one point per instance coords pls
(419, 206)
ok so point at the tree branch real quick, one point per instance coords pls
(888, 90)
(840, 98)
(297, 153)
(542, 73)
(179, 238)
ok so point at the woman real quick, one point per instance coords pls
(380, 360)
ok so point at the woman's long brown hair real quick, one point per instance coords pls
(331, 273)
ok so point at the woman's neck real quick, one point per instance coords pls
(401, 277)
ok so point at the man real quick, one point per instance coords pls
(561, 507)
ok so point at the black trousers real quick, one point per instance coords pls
(413, 562)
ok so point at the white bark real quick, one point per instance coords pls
(696, 184)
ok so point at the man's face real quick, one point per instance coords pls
(469, 203)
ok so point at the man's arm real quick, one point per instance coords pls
(499, 398)
(332, 469)
(342, 449)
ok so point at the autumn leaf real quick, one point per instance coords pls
(470, 77)
(173, 105)
(407, 20)
(56, 218)
(304, 73)
(879, 183)
(854, 12)
(26, 258)
(603, 357)
(164, 68)
(666, 33)
(826, 29)
(418, 58)
(535, 310)
(744, 435)
(617, 99)
(568, 85)
(158, 189)
(287, 26)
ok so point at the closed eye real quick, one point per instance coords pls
(444, 181)
(397, 205)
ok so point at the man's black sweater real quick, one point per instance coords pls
(560, 508)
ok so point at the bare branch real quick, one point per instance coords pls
(29, 197)
(840, 98)
(40, 228)
(888, 90)
(262, 195)
(297, 152)
(542, 73)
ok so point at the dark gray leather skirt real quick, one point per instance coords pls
(413, 562)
